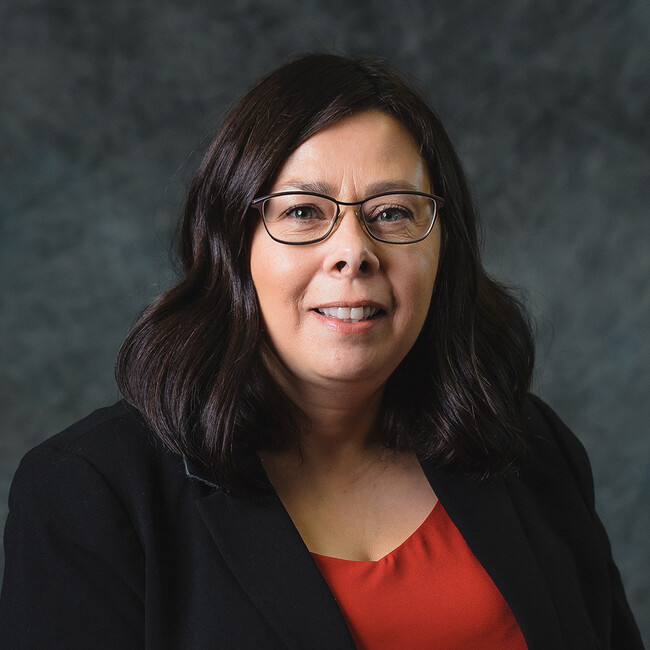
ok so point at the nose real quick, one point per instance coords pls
(350, 250)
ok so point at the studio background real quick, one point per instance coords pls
(105, 106)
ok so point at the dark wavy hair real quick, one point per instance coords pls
(193, 363)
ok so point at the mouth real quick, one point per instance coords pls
(349, 314)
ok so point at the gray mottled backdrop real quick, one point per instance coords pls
(102, 106)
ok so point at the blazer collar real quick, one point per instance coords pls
(263, 549)
(484, 514)
(265, 552)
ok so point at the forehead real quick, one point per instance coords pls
(363, 153)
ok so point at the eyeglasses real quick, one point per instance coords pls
(306, 218)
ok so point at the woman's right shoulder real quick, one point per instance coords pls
(111, 434)
(113, 447)
(119, 423)
(81, 507)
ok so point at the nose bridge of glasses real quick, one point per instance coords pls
(342, 207)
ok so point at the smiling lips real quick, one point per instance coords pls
(349, 314)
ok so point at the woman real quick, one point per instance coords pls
(326, 439)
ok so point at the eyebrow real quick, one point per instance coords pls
(378, 187)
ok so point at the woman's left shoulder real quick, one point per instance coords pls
(554, 496)
(553, 449)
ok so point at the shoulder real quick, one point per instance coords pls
(80, 514)
(544, 424)
(108, 429)
(554, 450)
(554, 498)
(104, 440)
(110, 458)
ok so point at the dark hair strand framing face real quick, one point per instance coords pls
(193, 362)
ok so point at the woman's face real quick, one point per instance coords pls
(299, 286)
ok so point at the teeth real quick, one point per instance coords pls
(349, 314)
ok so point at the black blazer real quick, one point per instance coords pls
(113, 542)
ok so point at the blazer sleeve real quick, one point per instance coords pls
(624, 631)
(74, 565)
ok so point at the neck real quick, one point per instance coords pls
(342, 421)
(336, 450)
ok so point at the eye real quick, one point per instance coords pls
(390, 214)
(303, 212)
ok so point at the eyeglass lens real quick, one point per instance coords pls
(398, 218)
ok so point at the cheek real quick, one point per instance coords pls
(415, 280)
(428, 260)
(278, 275)
(416, 291)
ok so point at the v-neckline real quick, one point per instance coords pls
(407, 542)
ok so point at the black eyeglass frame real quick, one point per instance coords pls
(438, 201)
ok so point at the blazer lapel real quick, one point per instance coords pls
(265, 552)
(263, 549)
(484, 514)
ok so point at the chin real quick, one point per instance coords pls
(351, 372)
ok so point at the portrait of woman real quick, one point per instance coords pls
(327, 438)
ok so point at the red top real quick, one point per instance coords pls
(429, 592)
